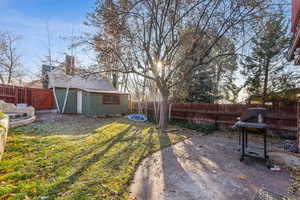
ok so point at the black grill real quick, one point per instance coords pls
(252, 121)
(252, 115)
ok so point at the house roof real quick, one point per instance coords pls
(294, 49)
(34, 84)
(290, 94)
(92, 82)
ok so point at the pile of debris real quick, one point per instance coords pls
(295, 184)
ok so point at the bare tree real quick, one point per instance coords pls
(2, 51)
(10, 58)
(154, 36)
(113, 29)
(48, 57)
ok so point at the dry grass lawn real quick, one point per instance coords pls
(41, 162)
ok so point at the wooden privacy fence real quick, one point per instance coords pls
(281, 118)
(38, 98)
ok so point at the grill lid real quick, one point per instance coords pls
(251, 115)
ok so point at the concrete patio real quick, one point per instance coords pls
(204, 167)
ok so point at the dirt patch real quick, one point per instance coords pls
(67, 124)
(204, 167)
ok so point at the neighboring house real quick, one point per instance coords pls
(92, 96)
(34, 84)
(294, 52)
(287, 96)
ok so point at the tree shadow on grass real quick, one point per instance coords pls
(133, 147)
(96, 157)
(111, 139)
(129, 155)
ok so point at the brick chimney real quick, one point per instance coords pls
(70, 65)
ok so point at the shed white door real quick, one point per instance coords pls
(79, 101)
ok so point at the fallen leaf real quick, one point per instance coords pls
(33, 190)
(242, 177)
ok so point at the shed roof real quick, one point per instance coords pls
(107, 92)
(93, 82)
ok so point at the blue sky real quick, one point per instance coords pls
(29, 19)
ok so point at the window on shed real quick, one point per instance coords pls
(111, 99)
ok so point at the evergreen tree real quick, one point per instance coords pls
(265, 69)
(207, 83)
(231, 89)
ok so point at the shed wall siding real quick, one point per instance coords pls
(96, 107)
(92, 103)
(71, 105)
(85, 103)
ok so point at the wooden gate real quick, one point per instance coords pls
(42, 98)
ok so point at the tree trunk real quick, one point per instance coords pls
(298, 136)
(9, 77)
(298, 125)
(264, 96)
(115, 80)
(2, 79)
(163, 117)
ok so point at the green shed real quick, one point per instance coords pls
(92, 96)
(91, 102)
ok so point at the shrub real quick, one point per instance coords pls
(204, 128)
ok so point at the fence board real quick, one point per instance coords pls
(42, 98)
(38, 98)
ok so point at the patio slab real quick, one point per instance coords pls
(204, 167)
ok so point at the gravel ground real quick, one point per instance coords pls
(204, 167)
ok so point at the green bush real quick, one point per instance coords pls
(204, 128)
(152, 120)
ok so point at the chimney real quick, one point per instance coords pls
(69, 65)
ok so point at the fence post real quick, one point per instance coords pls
(16, 95)
(26, 95)
(216, 116)
(298, 123)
